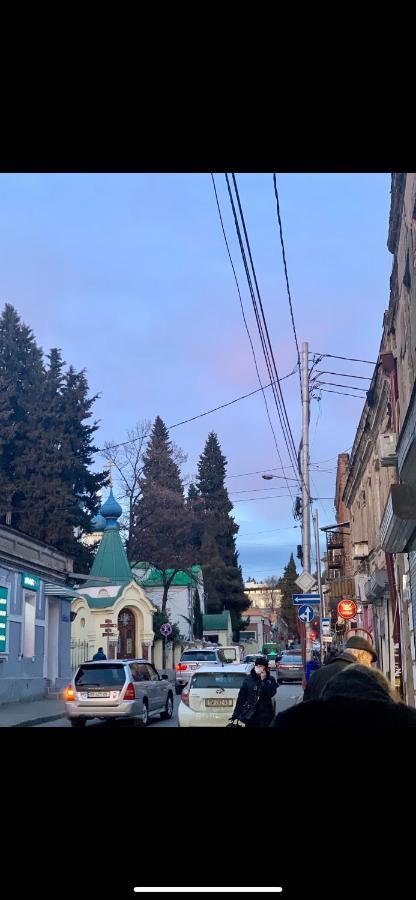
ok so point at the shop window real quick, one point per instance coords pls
(29, 615)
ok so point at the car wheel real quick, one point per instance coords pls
(78, 722)
(168, 709)
(145, 714)
(178, 689)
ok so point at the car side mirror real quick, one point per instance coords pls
(164, 677)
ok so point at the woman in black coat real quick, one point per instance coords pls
(254, 703)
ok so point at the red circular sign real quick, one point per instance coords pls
(347, 609)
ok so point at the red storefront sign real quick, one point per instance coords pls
(347, 609)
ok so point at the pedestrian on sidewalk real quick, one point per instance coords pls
(99, 654)
(254, 702)
(358, 697)
(357, 650)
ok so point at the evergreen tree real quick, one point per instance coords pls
(21, 384)
(161, 533)
(223, 580)
(288, 588)
(46, 487)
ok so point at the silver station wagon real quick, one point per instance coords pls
(118, 689)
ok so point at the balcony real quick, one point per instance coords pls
(399, 519)
(335, 540)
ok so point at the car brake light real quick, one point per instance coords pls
(69, 693)
(180, 667)
(185, 697)
(130, 693)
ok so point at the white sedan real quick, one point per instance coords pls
(210, 697)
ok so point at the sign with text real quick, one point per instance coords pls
(347, 609)
(30, 582)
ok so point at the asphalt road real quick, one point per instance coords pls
(287, 695)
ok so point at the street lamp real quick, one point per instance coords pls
(268, 477)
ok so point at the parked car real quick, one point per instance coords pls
(191, 660)
(250, 658)
(290, 668)
(118, 689)
(210, 697)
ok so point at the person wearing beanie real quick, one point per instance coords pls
(358, 697)
(254, 706)
(357, 650)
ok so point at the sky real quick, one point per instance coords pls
(129, 275)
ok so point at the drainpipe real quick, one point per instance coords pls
(396, 618)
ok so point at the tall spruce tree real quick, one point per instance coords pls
(46, 487)
(223, 578)
(21, 385)
(161, 534)
(288, 587)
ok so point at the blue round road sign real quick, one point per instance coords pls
(306, 613)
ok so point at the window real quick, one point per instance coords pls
(29, 615)
(211, 638)
(247, 636)
(140, 672)
(153, 676)
(198, 656)
(100, 676)
(218, 680)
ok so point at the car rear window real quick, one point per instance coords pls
(294, 660)
(97, 675)
(199, 656)
(218, 679)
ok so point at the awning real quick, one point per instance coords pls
(59, 590)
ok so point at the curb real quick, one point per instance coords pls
(40, 721)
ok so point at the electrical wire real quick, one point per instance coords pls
(342, 393)
(350, 387)
(281, 405)
(287, 276)
(200, 415)
(346, 358)
(343, 375)
(262, 327)
(245, 321)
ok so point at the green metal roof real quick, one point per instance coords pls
(111, 561)
(217, 622)
(153, 578)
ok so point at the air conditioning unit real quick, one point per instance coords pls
(387, 449)
(360, 550)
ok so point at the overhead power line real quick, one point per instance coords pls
(262, 325)
(341, 393)
(351, 387)
(200, 415)
(346, 358)
(245, 321)
(343, 375)
(276, 193)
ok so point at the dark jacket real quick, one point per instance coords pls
(320, 678)
(343, 712)
(99, 655)
(257, 694)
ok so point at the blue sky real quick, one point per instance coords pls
(129, 275)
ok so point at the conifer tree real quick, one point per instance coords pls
(288, 588)
(223, 580)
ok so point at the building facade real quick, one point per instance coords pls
(35, 620)
(180, 606)
(112, 610)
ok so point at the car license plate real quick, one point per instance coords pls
(98, 693)
(220, 702)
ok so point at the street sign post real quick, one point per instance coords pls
(325, 626)
(306, 613)
(300, 599)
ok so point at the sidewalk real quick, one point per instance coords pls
(34, 712)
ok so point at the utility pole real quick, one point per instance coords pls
(306, 520)
(318, 566)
